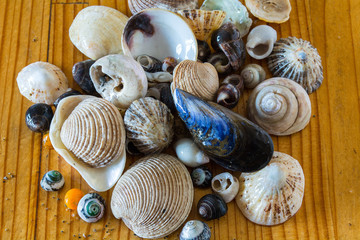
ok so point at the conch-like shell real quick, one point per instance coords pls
(200, 79)
(297, 60)
(280, 106)
(119, 79)
(172, 5)
(274, 194)
(202, 22)
(149, 125)
(88, 34)
(260, 41)
(154, 197)
(276, 11)
(253, 74)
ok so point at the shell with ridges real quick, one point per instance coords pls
(252, 75)
(149, 125)
(203, 22)
(274, 194)
(172, 5)
(297, 60)
(260, 41)
(276, 11)
(280, 106)
(195, 230)
(154, 197)
(91, 207)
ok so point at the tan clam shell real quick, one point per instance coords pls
(154, 197)
(149, 125)
(202, 22)
(172, 5)
(276, 11)
(274, 194)
(199, 79)
(280, 106)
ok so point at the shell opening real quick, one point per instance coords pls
(144, 60)
(119, 87)
(217, 184)
(228, 184)
(260, 49)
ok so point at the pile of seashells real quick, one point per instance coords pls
(154, 78)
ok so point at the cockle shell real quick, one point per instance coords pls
(200, 79)
(52, 181)
(42, 82)
(203, 22)
(226, 185)
(154, 197)
(260, 41)
(195, 230)
(88, 34)
(274, 194)
(92, 129)
(119, 79)
(91, 207)
(253, 74)
(149, 125)
(297, 60)
(172, 5)
(276, 11)
(280, 106)
(211, 207)
(189, 154)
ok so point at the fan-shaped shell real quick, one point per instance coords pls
(274, 194)
(172, 5)
(203, 22)
(149, 125)
(277, 11)
(280, 106)
(200, 79)
(154, 197)
(297, 60)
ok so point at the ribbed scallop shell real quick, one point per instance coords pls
(199, 79)
(297, 60)
(274, 194)
(172, 5)
(280, 106)
(154, 197)
(93, 132)
(203, 22)
(149, 125)
(277, 11)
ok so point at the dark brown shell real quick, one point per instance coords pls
(211, 207)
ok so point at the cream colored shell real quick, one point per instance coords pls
(172, 5)
(280, 106)
(97, 30)
(277, 11)
(202, 22)
(260, 41)
(199, 79)
(226, 185)
(42, 82)
(253, 74)
(154, 197)
(274, 194)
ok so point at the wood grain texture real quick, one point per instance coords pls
(37, 30)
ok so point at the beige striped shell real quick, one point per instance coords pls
(154, 197)
(172, 5)
(274, 194)
(94, 132)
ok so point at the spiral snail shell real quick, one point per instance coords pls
(211, 207)
(52, 181)
(195, 230)
(252, 75)
(91, 207)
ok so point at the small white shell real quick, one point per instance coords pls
(253, 74)
(226, 186)
(260, 41)
(195, 230)
(42, 82)
(119, 79)
(158, 77)
(189, 153)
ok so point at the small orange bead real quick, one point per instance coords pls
(46, 141)
(72, 198)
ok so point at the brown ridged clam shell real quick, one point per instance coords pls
(172, 5)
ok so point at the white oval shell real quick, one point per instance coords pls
(42, 82)
(260, 41)
(226, 185)
(100, 179)
(189, 154)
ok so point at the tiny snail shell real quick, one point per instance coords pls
(230, 91)
(226, 185)
(203, 50)
(253, 74)
(201, 177)
(91, 207)
(72, 198)
(195, 230)
(81, 75)
(38, 117)
(149, 64)
(220, 62)
(169, 64)
(52, 181)
(189, 154)
(71, 92)
(211, 207)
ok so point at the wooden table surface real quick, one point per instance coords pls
(328, 148)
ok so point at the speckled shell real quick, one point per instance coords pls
(203, 22)
(154, 197)
(149, 125)
(280, 106)
(199, 79)
(195, 230)
(226, 185)
(276, 11)
(297, 60)
(42, 82)
(172, 5)
(91, 207)
(52, 181)
(274, 194)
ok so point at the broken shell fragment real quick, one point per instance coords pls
(276, 11)
(149, 64)
(172, 5)
(274, 194)
(88, 34)
(201, 177)
(81, 75)
(195, 230)
(91, 207)
(169, 64)
(298, 60)
(119, 79)
(226, 185)
(42, 82)
(260, 41)
(189, 154)
(52, 181)
(253, 74)
(211, 207)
